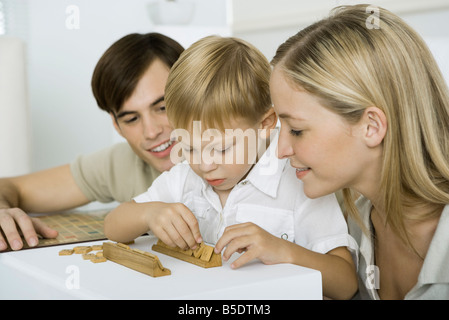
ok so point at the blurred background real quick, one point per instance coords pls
(48, 114)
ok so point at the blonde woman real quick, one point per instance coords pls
(364, 107)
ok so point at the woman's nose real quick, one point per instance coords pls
(284, 149)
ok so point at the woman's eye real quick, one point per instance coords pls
(295, 133)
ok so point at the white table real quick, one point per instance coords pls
(41, 273)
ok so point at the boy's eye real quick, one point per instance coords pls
(295, 133)
(225, 149)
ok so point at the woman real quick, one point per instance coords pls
(366, 110)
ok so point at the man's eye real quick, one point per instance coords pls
(130, 120)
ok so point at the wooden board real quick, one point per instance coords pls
(73, 227)
(204, 256)
(135, 259)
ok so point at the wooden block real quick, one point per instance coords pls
(198, 251)
(146, 262)
(97, 247)
(88, 256)
(97, 259)
(66, 252)
(210, 259)
(82, 249)
(207, 253)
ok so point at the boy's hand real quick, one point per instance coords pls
(13, 220)
(254, 241)
(175, 225)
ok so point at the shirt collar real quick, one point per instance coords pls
(267, 172)
(434, 269)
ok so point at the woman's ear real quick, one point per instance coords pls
(269, 122)
(375, 126)
(115, 123)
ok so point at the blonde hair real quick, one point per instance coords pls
(216, 80)
(350, 67)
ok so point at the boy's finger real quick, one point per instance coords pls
(183, 236)
(162, 235)
(175, 236)
(193, 226)
(237, 244)
(230, 233)
(243, 259)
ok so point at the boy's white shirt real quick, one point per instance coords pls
(271, 196)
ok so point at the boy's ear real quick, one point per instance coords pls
(268, 123)
(374, 126)
(114, 122)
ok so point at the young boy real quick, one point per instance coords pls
(229, 192)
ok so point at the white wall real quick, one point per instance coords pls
(430, 18)
(64, 116)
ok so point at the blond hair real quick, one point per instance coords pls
(350, 67)
(216, 80)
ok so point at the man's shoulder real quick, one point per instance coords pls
(121, 149)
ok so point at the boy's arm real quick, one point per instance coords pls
(336, 266)
(45, 191)
(173, 223)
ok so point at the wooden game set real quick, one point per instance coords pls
(146, 262)
(72, 227)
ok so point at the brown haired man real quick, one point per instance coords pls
(128, 83)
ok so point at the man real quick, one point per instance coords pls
(128, 83)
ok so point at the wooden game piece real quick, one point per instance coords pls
(66, 252)
(198, 251)
(210, 259)
(99, 254)
(207, 253)
(146, 262)
(97, 259)
(82, 249)
(88, 256)
(97, 247)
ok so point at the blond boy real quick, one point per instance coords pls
(232, 190)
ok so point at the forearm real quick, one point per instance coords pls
(9, 195)
(126, 222)
(336, 267)
(44, 191)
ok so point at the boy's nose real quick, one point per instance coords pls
(207, 165)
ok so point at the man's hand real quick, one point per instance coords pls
(13, 220)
